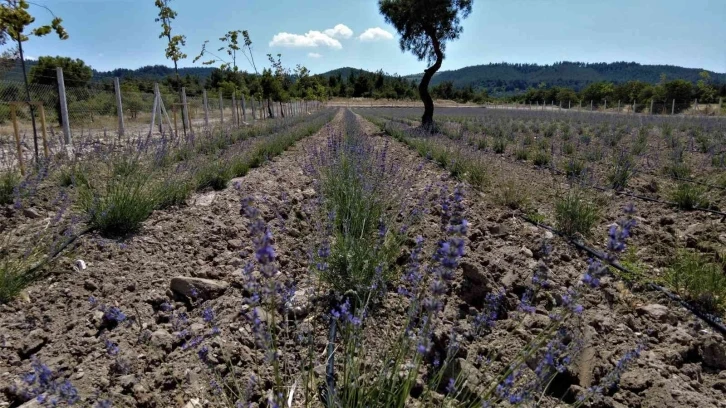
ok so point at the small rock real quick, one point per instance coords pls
(193, 403)
(90, 285)
(32, 343)
(162, 339)
(667, 220)
(205, 200)
(194, 288)
(472, 272)
(80, 264)
(309, 193)
(548, 235)
(31, 213)
(636, 380)
(527, 252)
(460, 368)
(655, 311)
(299, 304)
(713, 354)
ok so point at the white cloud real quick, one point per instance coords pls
(375, 34)
(340, 31)
(314, 55)
(310, 39)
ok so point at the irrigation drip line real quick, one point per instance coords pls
(682, 179)
(712, 321)
(328, 393)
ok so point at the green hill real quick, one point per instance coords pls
(505, 78)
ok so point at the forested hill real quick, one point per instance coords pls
(511, 78)
(153, 72)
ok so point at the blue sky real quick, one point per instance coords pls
(111, 34)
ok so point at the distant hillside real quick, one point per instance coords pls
(512, 78)
(153, 72)
(344, 72)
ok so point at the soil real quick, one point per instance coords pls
(683, 363)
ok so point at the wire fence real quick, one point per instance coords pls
(668, 107)
(94, 116)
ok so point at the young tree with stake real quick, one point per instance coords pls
(425, 26)
(14, 19)
(173, 48)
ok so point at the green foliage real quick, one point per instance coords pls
(568, 149)
(500, 145)
(171, 192)
(541, 158)
(215, 174)
(521, 154)
(12, 278)
(9, 179)
(622, 170)
(689, 196)
(513, 196)
(174, 44)
(678, 170)
(574, 214)
(574, 168)
(14, 19)
(119, 204)
(75, 72)
(699, 279)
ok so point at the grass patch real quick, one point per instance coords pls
(689, 196)
(622, 170)
(575, 214)
(521, 154)
(513, 196)
(541, 158)
(697, 278)
(8, 181)
(120, 205)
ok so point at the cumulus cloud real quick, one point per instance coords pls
(375, 34)
(314, 55)
(311, 39)
(340, 31)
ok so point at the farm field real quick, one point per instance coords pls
(343, 258)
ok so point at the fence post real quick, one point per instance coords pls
(651, 106)
(673, 107)
(633, 105)
(63, 105)
(695, 106)
(154, 109)
(606, 104)
(206, 108)
(185, 112)
(618, 106)
(252, 102)
(45, 135)
(720, 104)
(590, 105)
(235, 120)
(221, 108)
(18, 146)
(244, 108)
(119, 106)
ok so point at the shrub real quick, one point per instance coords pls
(12, 279)
(574, 168)
(568, 149)
(8, 181)
(574, 214)
(541, 158)
(621, 172)
(500, 145)
(678, 170)
(215, 174)
(699, 279)
(481, 143)
(172, 192)
(521, 154)
(513, 196)
(689, 196)
(121, 205)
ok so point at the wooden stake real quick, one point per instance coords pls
(14, 118)
(176, 130)
(63, 106)
(43, 132)
(206, 108)
(119, 106)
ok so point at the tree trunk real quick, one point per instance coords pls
(427, 120)
(32, 108)
(269, 108)
(282, 111)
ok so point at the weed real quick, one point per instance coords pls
(678, 170)
(574, 168)
(215, 174)
(8, 181)
(513, 196)
(541, 158)
(521, 154)
(622, 170)
(568, 149)
(121, 205)
(500, 145)
(699, 279)
(689, 196)
(574, 214)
